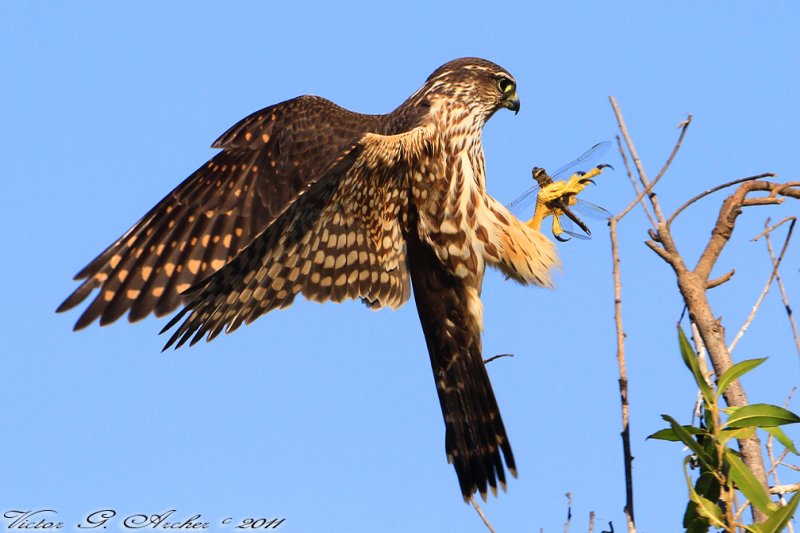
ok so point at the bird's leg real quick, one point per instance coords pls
(556, 192)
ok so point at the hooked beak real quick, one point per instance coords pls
(511, 102)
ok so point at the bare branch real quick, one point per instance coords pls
(480, 513)
(623, 377)
(731, 208)
(636, 161)
(761, 201)
(716, 282)
(701, 353)
(692, 285)
(498, 356)
(712, 190)
(659, 251)
(684, 125)
(779, 281)
(569, 511)
(785, 489)
(772, 228)
(636, 189)
(772, 275)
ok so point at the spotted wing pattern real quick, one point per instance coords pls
(341, 239)
(268, 159)
(308, 198)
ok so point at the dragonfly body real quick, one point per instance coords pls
(557, 198)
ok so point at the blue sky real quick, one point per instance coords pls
(327, 415)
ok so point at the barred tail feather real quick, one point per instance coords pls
(474, 433)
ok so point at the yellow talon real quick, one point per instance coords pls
(566, 191)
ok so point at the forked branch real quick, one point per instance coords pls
(693, 283)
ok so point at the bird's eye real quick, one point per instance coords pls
(505, 85)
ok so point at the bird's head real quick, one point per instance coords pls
(480, 85)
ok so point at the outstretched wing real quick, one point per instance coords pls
(342, 238)
(267, 159)
(474, 431)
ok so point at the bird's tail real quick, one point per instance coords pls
(474, 431)
(474, 435)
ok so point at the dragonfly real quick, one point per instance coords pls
(562, 208)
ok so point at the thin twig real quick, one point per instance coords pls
(684, 125)
(726, 220)
(785, 489)
(740, 511)
(775, 463)
(775, 266)
(779, 281)
(761, 201)
(569, 511)
(772, 228)
(636, 189)
(480, 513)
(498, 356)
(623, 128)
(701, 353)
(623, 377)
(659, 218)
(716, 282)
(712, 190)
(660, 252)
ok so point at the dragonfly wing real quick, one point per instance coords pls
(591, 210)
(524, 201)
(521, 205)
(584, 162)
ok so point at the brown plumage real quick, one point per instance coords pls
(309, 198)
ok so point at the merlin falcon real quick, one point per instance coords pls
(306, 197)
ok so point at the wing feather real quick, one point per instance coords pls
(325, 246)
(268, 159)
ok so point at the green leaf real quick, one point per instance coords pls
(780, 518)
(736, 371)
(782, 438)
(738, 433)
(747, 483)
(708, 418)
(708, 510)
(686, 438)
(698, 525)
(703, 507)
(706, 486)
(690, 359)
(670, 435)
(692, 521)
(761, 415)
